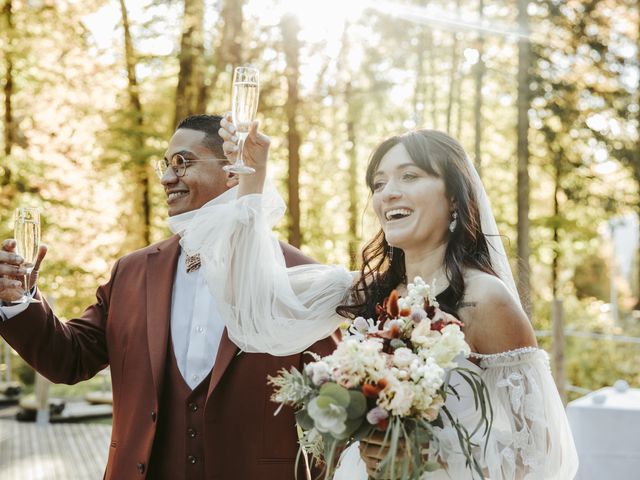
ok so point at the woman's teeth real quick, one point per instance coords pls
(397, 213)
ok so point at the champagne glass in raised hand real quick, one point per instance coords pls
(244, 106)
(27, 235)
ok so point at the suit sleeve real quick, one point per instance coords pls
(63, 352)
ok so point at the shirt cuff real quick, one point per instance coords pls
(8, 311)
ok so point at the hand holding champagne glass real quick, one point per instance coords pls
(244, 106)
(27, 235)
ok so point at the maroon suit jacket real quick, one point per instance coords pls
(128, 329)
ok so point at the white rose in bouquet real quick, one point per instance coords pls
(402, 357)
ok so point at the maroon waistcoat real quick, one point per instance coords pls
(178, 449)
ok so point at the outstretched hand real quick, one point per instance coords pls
(12, 272)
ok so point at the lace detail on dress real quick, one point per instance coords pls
(530, 437)
(514, 382)
(525, 448)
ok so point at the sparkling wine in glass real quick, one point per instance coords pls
(27, 236)
(244, 106)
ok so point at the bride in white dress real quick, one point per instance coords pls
(436, 223)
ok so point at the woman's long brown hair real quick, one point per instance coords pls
(440, 155)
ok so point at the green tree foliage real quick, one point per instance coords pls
(79, 137)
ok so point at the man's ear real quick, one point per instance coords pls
(232, 180)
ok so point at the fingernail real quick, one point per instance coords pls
(17, 284)
(19, 259)
(234, 139)
(235, 148)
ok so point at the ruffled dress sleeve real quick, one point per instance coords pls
(266, 306)
(530, 436)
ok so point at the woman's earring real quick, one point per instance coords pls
(390, 254)
(454, 221)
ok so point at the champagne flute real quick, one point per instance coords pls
(244, 106)
(27, 235)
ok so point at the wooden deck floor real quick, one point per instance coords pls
(74, 451)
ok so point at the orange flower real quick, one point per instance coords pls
(392, 305)
(395, 331)
(370, 390)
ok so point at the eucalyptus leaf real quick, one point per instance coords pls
(304, 420)
(339, 394)
(324, 401)
(357, 406)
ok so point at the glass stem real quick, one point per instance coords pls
(27, 290)
(240, 159)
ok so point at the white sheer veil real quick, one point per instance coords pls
(499, 259)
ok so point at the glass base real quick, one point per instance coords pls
(235, 168)
(26, 299)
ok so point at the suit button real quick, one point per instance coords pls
(193, 407)
(192, 433)
(154, 416)
(141, 467)
(192, 460)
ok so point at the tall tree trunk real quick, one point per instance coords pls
(142, 196)
(454, 87)
(353, 178)
(477, 110)
(290, 30)
(7, 14)
(433, 81)
(353, 112)
(524, 59)
(557, 310)
(453, 73)
(555, 261)
(229, 51)
(420, 87)
(190, 91)
(459, 108)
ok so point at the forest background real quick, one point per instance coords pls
(543, 94)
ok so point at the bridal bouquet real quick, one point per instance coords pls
(389, 375)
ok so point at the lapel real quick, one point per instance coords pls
(161, 272)
(226, 351)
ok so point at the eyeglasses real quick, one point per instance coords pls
(179, 164)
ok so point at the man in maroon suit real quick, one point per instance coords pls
(186, 402)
